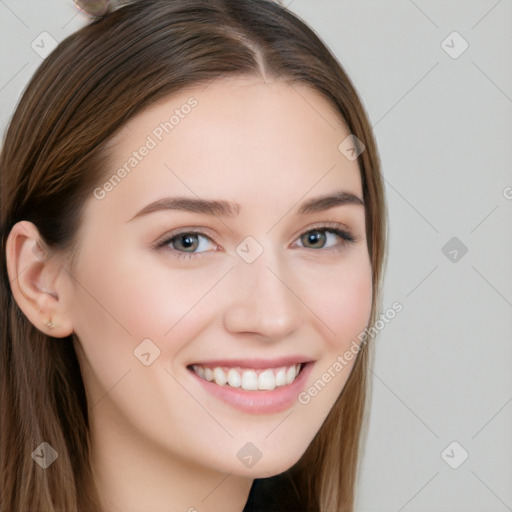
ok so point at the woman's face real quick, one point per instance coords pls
(208, 244)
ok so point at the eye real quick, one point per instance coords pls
(325, 238)
(186, 244)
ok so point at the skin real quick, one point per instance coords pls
(160, 442)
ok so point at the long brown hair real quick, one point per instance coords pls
(53, 156)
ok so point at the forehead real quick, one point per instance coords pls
(242, 139)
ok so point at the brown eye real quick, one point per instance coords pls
(316, 238)
(319, 238)
(187, 241)
(187, 244)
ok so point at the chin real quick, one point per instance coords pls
(270, 466)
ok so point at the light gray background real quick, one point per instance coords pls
(444, 127)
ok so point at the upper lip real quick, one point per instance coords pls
(255, 363)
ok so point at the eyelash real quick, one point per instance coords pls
(346, 237)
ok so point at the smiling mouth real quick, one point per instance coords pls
(249, 379)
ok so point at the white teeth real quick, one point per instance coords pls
(234, 378)
(250, 380)
(290, 375)
(219, 376)
(267, 380)
(281, 377)
(199, 370)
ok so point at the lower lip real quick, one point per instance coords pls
(259, 402)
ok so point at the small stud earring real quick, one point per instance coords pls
(49, 323)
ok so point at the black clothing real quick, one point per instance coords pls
(273, 494)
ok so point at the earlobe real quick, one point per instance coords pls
(33, 275)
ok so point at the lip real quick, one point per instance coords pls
(257, 364)
(258, 402)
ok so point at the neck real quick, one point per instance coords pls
(133, 476)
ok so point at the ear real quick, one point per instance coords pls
(38, 281)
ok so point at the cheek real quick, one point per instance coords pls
(342, 299)
(157, 303)
(125, 300)
(348, 311)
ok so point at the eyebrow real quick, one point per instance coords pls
(228, 209)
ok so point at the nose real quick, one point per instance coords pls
(263, 300)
